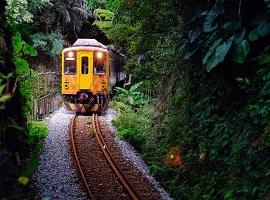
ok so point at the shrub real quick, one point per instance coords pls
(135, 126)
(37, 132)
(132, 96)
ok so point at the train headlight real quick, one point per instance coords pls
(99, 55)
(70, 54)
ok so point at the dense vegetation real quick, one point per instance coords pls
(32, 35)
(210, 62)
(206, 135)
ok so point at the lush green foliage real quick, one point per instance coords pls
(12, 134)
(27, 87)
(93, 4)
(61, 15)
(21, 11)
(16, 143)
(132, 96)
(51, 43)
(32, 36)
(223, 35)
(18, 11)
(134, 125)
(37, 133)
(211, 64)
(21, 49)
(142, 29)
(104, 18)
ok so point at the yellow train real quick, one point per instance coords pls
(90, 70)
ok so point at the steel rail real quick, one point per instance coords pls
(118, 172)
(72, 131)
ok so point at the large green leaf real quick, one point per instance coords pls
(211, 50)
(210, 18)
(22, 66)
(17, 43)
(219, 55)
(209, 27)
(239, 36)
(222, 50)
(253, 35)
(120, 90)
(263, 29)
(29, 50)
(130, 100)
(2, 87)
(211, 63)
(5, 98)
(228, 194)
(232, 25)
(182, 44)
(193, 35)
(212, 38)
(134, 87)
(190, 53)
(266, 89)
(240, 52)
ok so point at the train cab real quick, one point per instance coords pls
(85, 76)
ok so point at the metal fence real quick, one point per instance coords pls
(46, 97)
(45, 105)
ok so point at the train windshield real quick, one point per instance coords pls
(70, 67)
(70, 63)
(99, 63)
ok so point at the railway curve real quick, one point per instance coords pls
(104, 172)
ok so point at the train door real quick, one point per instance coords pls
(85, 67)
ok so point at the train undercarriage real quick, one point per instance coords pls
(86, 102)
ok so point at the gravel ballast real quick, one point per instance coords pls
(55, 177)
(130, 154)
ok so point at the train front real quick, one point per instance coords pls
(85, 76)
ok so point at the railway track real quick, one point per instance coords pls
(117, 170)
(72, 135)
(132, 194)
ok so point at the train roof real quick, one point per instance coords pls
(88, 42)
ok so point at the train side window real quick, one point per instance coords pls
(70, 66)
(99, 63)
(84, 67)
